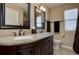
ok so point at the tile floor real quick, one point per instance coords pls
(64, 51)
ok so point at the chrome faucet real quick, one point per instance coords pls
(20, 32)
(24, 33)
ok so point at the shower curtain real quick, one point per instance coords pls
(76, 38)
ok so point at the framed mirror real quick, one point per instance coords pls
(15, 15)
(39, 19)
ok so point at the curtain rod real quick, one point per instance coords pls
(56, 21)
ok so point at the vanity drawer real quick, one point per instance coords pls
(28, 51)
(21, 47)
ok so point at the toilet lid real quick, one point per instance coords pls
(56, 40)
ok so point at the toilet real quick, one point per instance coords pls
(56, 43)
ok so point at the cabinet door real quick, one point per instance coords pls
(37, 49)
(26, 49)
(47, 46)
(51, 45)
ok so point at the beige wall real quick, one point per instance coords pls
(57, 13)
(6, 32)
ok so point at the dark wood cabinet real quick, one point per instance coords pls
(41, 47)
(27, 51)
(45, 46)
(37, 49)
(8, 50)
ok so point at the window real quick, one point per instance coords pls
(70, 17)
(38, 22)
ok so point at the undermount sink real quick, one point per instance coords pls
(22, 37)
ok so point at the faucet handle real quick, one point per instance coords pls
(14, 33)
(24, 33)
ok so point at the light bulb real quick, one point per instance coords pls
(41, 7)
(44, 9)
(39, 11)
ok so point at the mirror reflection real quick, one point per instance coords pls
(40, 19)
(16, 14)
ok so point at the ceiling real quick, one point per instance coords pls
(51, 5)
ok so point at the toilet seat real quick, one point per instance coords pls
(57, 43)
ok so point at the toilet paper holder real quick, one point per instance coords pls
(63, 35)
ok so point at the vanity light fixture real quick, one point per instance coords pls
(38, 10)
(42, 8)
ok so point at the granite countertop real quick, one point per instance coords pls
(10, 41)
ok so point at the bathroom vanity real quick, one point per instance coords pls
(32, 44)
(17, 16)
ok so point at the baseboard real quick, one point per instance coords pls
(67, 47)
